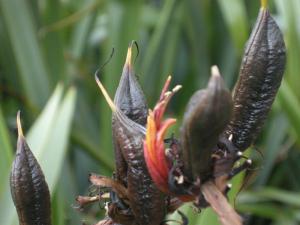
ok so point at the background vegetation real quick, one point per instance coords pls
(50, 50)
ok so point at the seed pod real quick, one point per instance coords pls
(28, 186)
(206, 116)
(260, 77)
(146, 201)
(130, 99)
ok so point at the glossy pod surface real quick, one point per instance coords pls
(260, 77)
(128, 134)
(141, 188)
(205, 118)
(145, 200)
(28, 187)
(130, 99)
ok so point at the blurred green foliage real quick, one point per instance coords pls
(50, 50)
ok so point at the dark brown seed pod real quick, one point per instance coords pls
(146, 201)
(130, 99)
(28, 186)
(205, 118)
(260, 77)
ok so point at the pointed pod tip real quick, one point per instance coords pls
(216, 81)
(105, 94)
(264, 3)
(19, 125)
(129, 54)
(215, 72)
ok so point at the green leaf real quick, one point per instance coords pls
(153, 52)
(234, 13)
(291, 106)
(274, 194)
(44, 123)
(21, 30)
(289, 19)
(55, 150)
(5, 153)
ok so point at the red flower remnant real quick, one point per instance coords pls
(154, 149)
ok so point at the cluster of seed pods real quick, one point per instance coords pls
(155, 174)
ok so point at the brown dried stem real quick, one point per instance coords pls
(218, 202)
(102, 181)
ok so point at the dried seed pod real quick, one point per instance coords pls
(146, 201)
(130, 99)
(206, 116)
(28, 186)
(260, 77)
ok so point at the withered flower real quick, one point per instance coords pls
(154, 146)
(180, 170)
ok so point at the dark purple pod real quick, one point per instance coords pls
(206, 116)
(29, 189)
(260, 77)
(130, 99)
(145, 200)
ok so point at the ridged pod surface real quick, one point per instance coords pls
(130, 99)
(260, 77)
(145, 200)
(28, 186)
(205, 118)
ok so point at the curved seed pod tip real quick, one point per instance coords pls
(205, 117)
(260, 77)
(28, 186)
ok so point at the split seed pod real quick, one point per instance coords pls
(206, 116)
(29, 189)
(260, 77)
(145, 200)
(129, 99)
